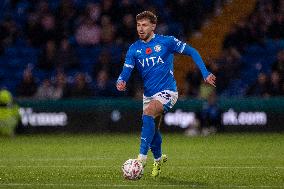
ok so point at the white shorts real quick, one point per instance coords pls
(167, 98)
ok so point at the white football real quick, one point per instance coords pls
(132, 169)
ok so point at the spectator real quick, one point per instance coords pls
(210, 116)
(126, 7)
(42, 7)
(237, 37)
(61, 89)
(282, 89)
(32, 30)
(94, 11)
(45, 90)
(192, 9)
(162, 28)
(80, 88)
(108, 30)
(276, 29)
(275, 84)
(66, 16)
(103, 86)
(28, 86)
(127, 30)
(65, 57)
(105, 63)
(8, 32)
(228, 67)
(141, 5)
(109, 7)
(88, 33)
(48, 29)
(138, 93)
(47, 59)
(260, 87)
(279, 65)
(193, 81)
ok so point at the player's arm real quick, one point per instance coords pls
(207, 76)
(179, 47)
(126, 71)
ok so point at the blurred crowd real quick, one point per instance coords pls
(58, 28)
(270, 84)
(265, 23)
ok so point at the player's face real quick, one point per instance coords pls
(145, 29)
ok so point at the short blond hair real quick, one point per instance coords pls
(147, 15)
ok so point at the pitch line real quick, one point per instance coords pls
(133, 185)
(54, 166)
(170, 166)
(58, 159)
(230, 167)
(113, 158)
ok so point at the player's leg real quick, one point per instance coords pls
(168, 99)
(156, 148)
(153, 109)
(156, 144)
(160, 122)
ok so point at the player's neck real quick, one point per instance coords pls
(149, 38)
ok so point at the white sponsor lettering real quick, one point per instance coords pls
(244, 118)
(28, 117)
(180, 119)
(152, 61)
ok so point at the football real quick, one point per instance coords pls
(132, 169)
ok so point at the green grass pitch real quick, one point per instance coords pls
(94, 161)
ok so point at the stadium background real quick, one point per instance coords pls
(69, 50)
(60, 60)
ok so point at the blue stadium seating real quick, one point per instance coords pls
(256, 59)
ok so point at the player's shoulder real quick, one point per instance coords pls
(165, 38)
(134, 46)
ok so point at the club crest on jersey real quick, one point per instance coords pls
(158, 48)
(148, 50)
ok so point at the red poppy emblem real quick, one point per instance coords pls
(148, 50)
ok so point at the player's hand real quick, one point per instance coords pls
(211, 79)
(121, 85)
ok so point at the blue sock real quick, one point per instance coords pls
(147, 134)
(156, 145)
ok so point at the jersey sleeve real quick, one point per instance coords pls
(128, 66)
(175, 45)
(189, 51)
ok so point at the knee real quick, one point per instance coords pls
(148, 111)
(154, 109)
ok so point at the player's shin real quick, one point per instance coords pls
(147, 134)
(156, 145)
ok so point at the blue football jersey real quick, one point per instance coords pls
(154, 61)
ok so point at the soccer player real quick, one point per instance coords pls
(153, 56)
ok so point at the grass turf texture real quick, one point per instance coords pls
(94, 161)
